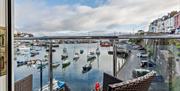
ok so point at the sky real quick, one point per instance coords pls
(88, 17)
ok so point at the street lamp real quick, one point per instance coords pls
(41, 70)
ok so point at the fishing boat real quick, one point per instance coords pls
(86, 68)
(65, 63)
(105, 44)
(57, 86)
(97, 51)
(81, 51)
(76, 56)
(91, 56)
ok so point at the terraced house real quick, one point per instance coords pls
(177, 22)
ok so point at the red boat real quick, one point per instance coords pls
(105, 44)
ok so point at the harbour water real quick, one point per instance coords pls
(71, 75)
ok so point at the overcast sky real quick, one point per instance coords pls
(79, 17)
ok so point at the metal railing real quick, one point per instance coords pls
(114, 38)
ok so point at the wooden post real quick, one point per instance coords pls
(50, 68)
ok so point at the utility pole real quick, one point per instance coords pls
(50, 67)
(114, 57)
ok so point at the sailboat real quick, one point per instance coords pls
(91, 56)
(81, 51)
(97, 51)
(65, 54)
(76, 56)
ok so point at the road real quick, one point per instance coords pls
(133, 62)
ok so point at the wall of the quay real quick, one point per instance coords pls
(24, 84)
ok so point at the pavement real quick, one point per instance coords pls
(177, 68)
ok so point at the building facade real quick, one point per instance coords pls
(177, 22)
(166, 24)
(169, 24)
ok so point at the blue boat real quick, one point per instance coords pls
(57, 86)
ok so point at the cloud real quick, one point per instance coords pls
(116, 15)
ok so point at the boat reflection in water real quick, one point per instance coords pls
(79, 75)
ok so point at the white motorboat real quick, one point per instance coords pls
(65, 63)
(91, 56)
(76, 56)
(24, 49)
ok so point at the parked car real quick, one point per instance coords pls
(135, 47)
(146, 63)
(139, 72)
(142, 55)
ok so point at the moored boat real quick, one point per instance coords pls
(91, 56)
(64, 56)
(76, 56)
(105, 44)
(54, 65)
(81, 51)
(65, 63)
(97, 51)
(86, 68)
(53, 50)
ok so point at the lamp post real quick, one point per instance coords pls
(41, 71)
